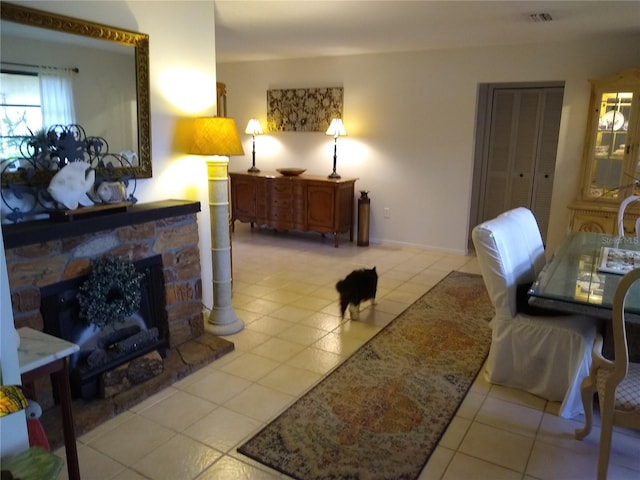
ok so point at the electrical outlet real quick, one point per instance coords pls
(387, 213)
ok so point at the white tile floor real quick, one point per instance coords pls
(284, 291)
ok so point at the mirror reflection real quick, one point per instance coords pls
(73, 72)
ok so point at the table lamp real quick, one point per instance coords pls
(336, 128)
(253, 129)
(218, 137)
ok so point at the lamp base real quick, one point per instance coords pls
(333, 175)
(223, 321)
(253, 169)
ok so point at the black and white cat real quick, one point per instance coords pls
(358, 286)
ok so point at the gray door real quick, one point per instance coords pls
(519, 138)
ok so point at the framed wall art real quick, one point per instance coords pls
(303, 109)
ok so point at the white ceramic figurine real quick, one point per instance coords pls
(70, 185)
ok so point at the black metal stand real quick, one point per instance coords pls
(334, 174)
(253, 168)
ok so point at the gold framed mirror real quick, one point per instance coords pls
(97, 34)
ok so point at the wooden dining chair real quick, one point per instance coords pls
(617, 381)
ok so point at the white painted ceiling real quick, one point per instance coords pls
(269, 29)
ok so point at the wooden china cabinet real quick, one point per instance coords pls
(611, 158)
(309, 203)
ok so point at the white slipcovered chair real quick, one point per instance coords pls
(543, 353)
(532, 237)
(616, 381)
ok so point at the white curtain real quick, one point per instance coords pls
(56, 95)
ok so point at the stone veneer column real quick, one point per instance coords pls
(222, 319)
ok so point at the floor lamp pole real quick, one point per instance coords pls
(222, 319)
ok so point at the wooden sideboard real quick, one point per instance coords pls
(309, 203)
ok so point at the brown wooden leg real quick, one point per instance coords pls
(61, 380)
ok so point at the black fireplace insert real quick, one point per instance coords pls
(103, 349)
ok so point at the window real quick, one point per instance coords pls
(20, 110)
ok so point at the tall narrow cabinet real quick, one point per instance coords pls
(611, 158)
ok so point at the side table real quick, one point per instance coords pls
(41, 354)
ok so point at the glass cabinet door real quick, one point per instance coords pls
(612, 150)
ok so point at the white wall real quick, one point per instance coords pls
(410, 119)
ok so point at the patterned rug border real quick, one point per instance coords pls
(243, 449)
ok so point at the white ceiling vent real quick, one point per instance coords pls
(540, 17)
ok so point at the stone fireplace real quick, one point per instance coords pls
(43, 253)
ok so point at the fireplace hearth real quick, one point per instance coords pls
(103, 349)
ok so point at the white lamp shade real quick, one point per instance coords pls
(336, 128)
(253, 127)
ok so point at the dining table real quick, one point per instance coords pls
(581, 277)
(583, 273)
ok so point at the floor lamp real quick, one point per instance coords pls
(217, 137)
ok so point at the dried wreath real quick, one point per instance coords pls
(111, 292)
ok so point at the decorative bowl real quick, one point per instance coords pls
(291, 172)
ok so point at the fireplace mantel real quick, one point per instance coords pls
(38, 231)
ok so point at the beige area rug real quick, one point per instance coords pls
(381, 413)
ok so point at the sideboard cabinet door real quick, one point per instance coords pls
(243, 198)
(321, 207)
(346, 206)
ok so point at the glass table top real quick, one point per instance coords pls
(578, 277)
